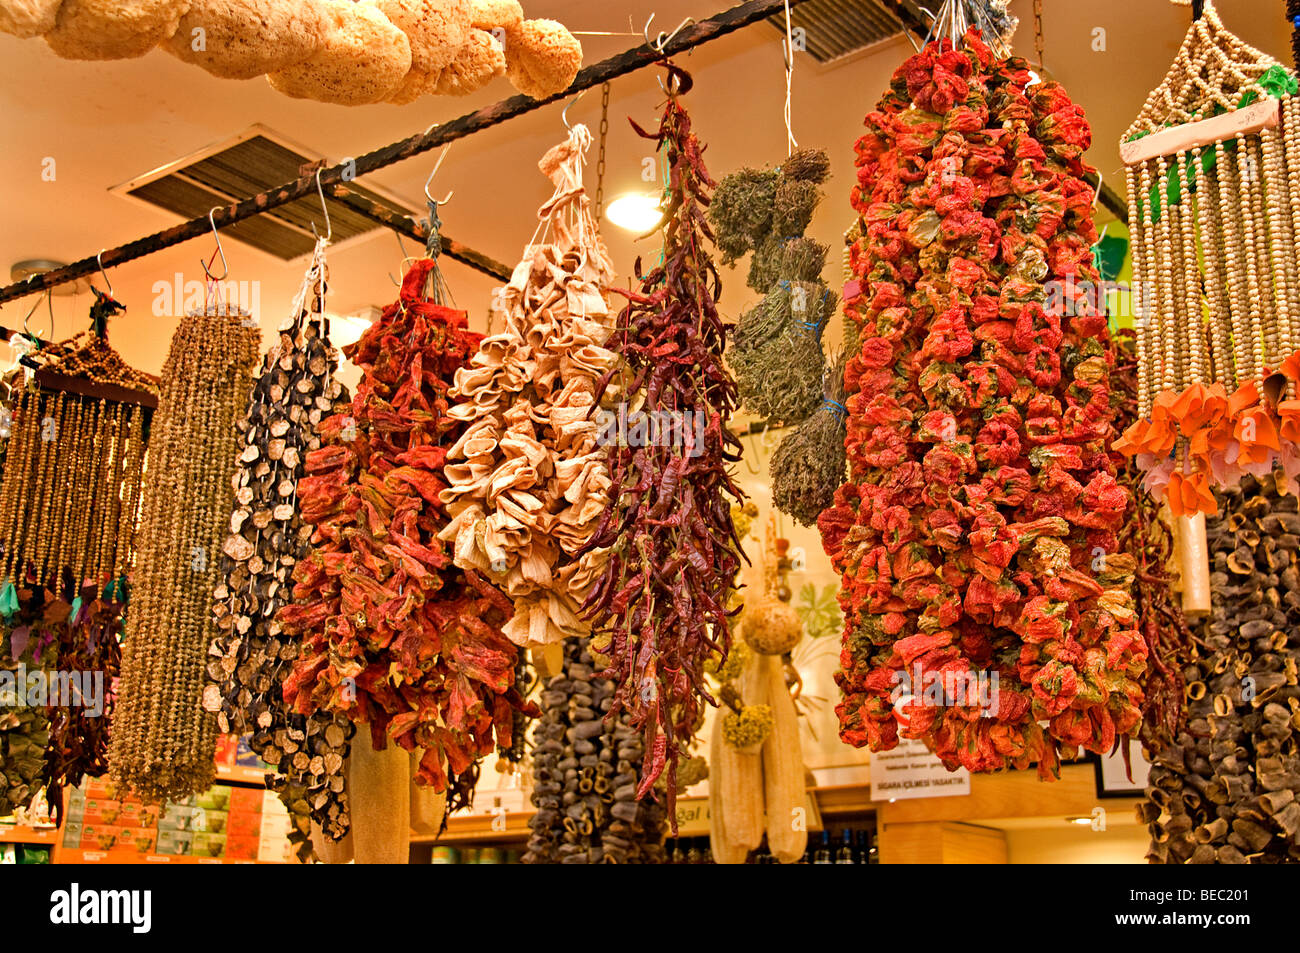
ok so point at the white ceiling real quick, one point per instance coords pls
(104, 123)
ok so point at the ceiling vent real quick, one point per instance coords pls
(256, 161)
(834, 30)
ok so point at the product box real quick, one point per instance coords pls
(101, 788)
(72, 834)
(246, 757)
(76, 798)
(175, 843)
(101, 811)
(214, 822)
(226, 746)
(177, 817)
(139, 839)
(206, 844)
(244, 825)
(274, 828)
(99, 836)
(76, 811)
(240, 847)
(138, 815)
(215, 798)
(272, 806)
(247, 800)
(274, 850)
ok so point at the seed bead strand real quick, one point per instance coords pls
(1243, 348)
(1250, 237)
(1267, 302)
(1178, 293)
(1291, 157)
(64, 418)
(117, 479)
(1212, 254)
(1281, 240)
(16, 476)
(1165, 282)
(1191, 277)
(1151, 291)
(65, 478)
(1141, 320)
(78, 520)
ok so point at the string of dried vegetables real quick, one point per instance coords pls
(981, 491)
(1226, 789)
(392, 633)
(528, 480)
(162, 741)
(585, 771)
(660, 606)
(248, 661)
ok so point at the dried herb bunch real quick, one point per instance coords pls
(251, 656)
(393, 633)
(585, 770)
(808, 466)
(1226, 789)
(776, 352)
(528, 478)
(981, 488)
(659, 608)
(29, 642)
(162, 741)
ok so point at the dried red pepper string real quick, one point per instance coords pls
(662, 599)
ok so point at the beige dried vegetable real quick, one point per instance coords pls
(542, 57)
(493, 14)
(362, 59)
(113, 29)
(436, 30)
(477, 63)
(28, 18)
(162, 741)
(242, 39)
(528, 480)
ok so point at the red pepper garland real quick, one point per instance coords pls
(662, 599)
(977, 533)
(393, 633)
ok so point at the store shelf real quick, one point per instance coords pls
(239, 774)
(22, 834)
(71, 855)
(478, 829)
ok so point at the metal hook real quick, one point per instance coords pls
(225, 268)
(102, 273)
(565, 115)
(436, 166)
(663, 39)
(329, 226)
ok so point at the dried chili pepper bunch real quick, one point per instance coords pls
(29, 643)
(980, 490)
(776, 352)
(251, 656)
(528, 477)
(659, 608)
(585, 772)
(392, 632)
(163, 743)
(89, 645)
(1226, 788)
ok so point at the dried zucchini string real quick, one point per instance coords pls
(251, 656)
(1214, 231)
(163, 742)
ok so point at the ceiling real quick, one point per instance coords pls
(106, 123)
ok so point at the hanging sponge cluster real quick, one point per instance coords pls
(346, 52)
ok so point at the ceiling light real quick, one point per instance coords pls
(638, 212)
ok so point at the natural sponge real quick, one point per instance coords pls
(542, 57)
(113, 29)
(479, 61)
(490, 14)
(362, 58)
(242, 39)
(28, 18)
(436, 30)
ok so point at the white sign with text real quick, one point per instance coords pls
(910, 770)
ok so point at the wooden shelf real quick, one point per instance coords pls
(77, 855)
(22, 834)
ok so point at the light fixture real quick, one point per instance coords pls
(638, 212)
(1078, 820)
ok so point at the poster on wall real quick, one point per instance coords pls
(911, 771)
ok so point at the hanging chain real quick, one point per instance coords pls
(1038, 30)
(600, 157)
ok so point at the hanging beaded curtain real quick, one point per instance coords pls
(162, 741)
(1214, 207)
(71, 485)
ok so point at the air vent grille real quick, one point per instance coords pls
(835, 29)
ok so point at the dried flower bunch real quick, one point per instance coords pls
(251, 656)
(585, 770)
(392, 633)
(776, 351)
(977, 535)
(659, 609)
(348, 52)
(1214, 230)
(528, 477)
(162, 740)
(1226, 788)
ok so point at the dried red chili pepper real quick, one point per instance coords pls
(662, 627)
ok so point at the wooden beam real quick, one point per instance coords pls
(1265, 114)
(629, 61)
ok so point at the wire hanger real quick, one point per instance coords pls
(99, 259)
(329, 226)
(427, 182)
(787, 53)
(225, 268)
(565, 115)
(663, 39)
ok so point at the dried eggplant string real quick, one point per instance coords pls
(392, 633)
(162, 741)
(1213, 236)
(659, 609)
(585, 769)
(528, 479)
(1226, 788)
(251, 656)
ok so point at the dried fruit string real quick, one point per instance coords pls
(659, 610)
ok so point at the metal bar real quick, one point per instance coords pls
(621, 64)
(385, 216)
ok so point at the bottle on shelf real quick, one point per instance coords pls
(823, 853)
(844, 854)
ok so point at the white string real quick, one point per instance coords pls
(788, 50)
